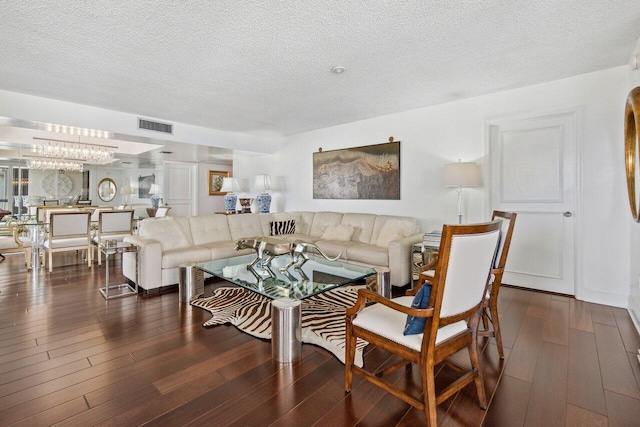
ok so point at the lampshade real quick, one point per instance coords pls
(229, 185)
(126, 191)
(154, 189)
(263, 183)
(462, 174)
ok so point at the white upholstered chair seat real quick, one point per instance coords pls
(389, 323)
(66, 243)
(9, 243)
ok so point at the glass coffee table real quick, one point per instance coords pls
(287, 288)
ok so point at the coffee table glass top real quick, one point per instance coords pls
(316, 276)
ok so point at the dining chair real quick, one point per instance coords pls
(51, 202)
(112, 225)
(68, 231)
(13, 239)
(430, 326)
(162, 211)
(490, 303)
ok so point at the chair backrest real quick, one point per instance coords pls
(95, 215)
(83, 202)
(162, 211)
(466, 258)
(508, 223)
(69, 224)
(51, 202)
(48, 210)
(116, 222)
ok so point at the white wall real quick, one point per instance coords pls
(634, 272)
(434, 136)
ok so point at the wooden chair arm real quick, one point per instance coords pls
(431, 265)
(365, 294)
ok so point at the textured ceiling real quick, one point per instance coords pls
(263, 68)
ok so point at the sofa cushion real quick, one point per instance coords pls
(209, 228)
(219, 250)
(322, 220)
(167, 231)
(341, 233)
(334, 248)
(362, 225)
(303, 221)
(277, 228)
(176, 257)
(394, 229)
(246, 225)
(368, 254)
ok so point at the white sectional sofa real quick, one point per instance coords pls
(366, 239)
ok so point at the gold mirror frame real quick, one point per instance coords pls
(631, 141)
(104, 189)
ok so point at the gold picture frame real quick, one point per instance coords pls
(215, 182)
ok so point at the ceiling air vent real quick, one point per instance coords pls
(155, 126)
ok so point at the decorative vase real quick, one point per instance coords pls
(264, 202)
(155, 201)
(230, 201)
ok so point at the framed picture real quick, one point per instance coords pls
(215, 182)
(370, 172)
(144, 185)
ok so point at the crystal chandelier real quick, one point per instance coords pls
(69, 150)
(55, 164)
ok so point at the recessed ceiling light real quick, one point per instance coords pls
(338, 69)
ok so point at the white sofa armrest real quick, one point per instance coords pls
(150, 260)
(399, 258)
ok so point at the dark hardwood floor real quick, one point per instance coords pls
(69, 357)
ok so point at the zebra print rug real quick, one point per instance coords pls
(322, 316)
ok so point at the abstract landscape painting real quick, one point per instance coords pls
(369, 172)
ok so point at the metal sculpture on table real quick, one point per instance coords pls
(267, 248)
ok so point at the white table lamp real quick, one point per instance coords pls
(461, 174)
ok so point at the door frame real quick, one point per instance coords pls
(490, 126)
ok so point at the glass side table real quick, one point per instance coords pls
(421, 255)
(108, 249)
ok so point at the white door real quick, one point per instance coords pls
(533, 173)
(180, 188)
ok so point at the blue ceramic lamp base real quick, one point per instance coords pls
(264, 202)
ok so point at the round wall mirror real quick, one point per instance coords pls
(107, 190)
(631, 150)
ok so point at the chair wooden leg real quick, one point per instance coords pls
(349, 357)
(429, 394)
(475, 360)
(493, 306)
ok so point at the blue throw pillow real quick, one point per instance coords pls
(415, 325)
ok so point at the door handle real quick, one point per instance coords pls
(567, 214)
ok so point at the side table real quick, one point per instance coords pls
(420, 256)
(109, 248)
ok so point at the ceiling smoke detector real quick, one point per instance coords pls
(338, 69)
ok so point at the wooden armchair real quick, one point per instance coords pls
(451, 319)
(490, 304)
